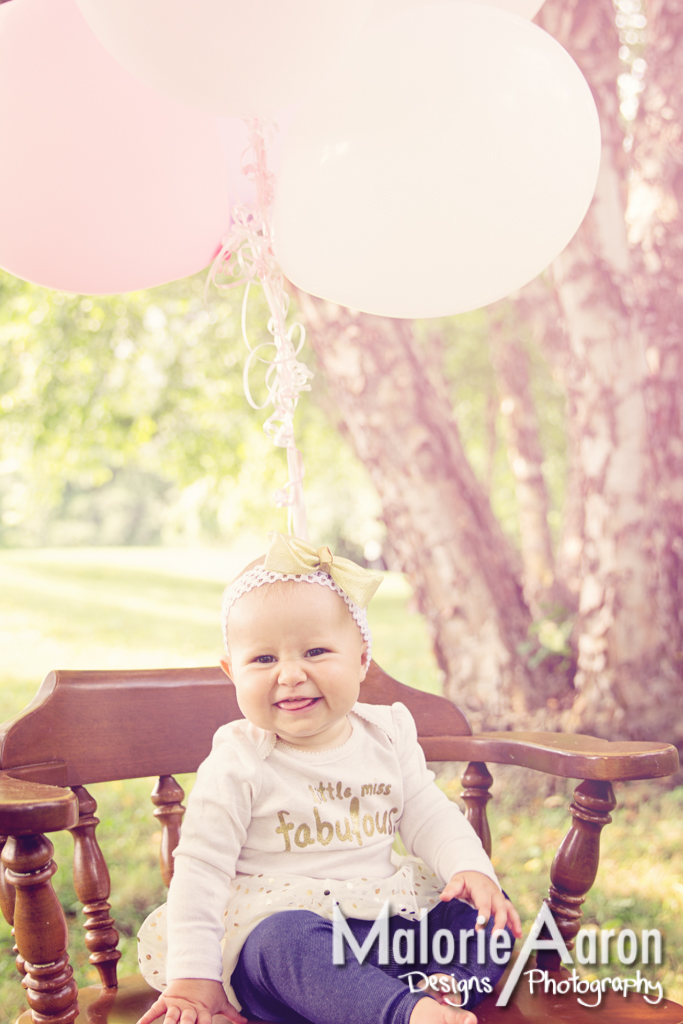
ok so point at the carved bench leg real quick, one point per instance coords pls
(40, 929)
(166, 797)
(477, 781)
(6, 890)
(576, 863)
(92, 885)
(7, 907)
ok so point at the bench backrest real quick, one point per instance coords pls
(85, 727)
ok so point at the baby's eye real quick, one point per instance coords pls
(315, 651)
(264, 659)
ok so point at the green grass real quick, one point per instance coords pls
(639, 880)
(108, 608)
(152, 608)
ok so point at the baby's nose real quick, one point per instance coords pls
(292, 672)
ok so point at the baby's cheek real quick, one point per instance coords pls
(252, 703)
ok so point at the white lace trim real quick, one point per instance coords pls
(312, 753)
(255, 897)
(258, 577)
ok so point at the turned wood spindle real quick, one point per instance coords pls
(91, 882)
(576, 862)
(7, 907)
(477, 781)
(6, 890)
(166, 797)
(41, 930)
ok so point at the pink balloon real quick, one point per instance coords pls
(105, 185)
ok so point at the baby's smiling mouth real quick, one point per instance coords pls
(297, 703)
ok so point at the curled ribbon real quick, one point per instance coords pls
(289, 555)
(247, 256)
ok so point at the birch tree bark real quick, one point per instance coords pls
(624, 676)
(442, 531)
(619, 350)
(655, 220)
(525, 456)
(538, 308)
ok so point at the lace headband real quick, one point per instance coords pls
(289, 558)
(259, 576)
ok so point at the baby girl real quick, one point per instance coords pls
(286, 851)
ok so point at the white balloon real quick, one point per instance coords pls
(446, 165)
(229, 57)
(386, 8)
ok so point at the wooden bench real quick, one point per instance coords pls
(88, 727)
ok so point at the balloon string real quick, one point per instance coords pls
(247, 256)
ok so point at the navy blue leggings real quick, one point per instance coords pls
(285, 971)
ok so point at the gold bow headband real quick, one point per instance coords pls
(291, 556)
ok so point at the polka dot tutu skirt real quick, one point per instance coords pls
(254, 897)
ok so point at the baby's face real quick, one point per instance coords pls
(297, 660)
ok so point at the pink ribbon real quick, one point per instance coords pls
(247, 256)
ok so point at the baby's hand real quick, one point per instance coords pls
(487, 898)
(192, 1001)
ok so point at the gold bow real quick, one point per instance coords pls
(291, 555)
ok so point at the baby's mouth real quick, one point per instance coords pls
(296, 703)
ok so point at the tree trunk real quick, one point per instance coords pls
(618, 349)
(623, 679)
(525, 456)
(440, 525)
(655, 218)
(539, 309)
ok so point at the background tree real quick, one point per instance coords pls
(608, 319)
(392, 399)
(609, 285)
(527, 460)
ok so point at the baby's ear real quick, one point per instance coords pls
(364, 661)
(227, 667)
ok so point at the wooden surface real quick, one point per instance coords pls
(133, 997)
(167, 798)
(476, 783)
(40, 930)
(130, 724)
(161, 722)
(124, 1005)
(91, 882)
(568, 754)
(434, 715)
(575, 866)
(86, 727)
(29, 807)
(158, 722)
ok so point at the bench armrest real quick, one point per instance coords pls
(568, 754)
(28, 901)
(31, 808)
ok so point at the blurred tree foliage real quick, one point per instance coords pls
(123, 421)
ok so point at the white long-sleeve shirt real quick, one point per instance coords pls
(262, 808)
